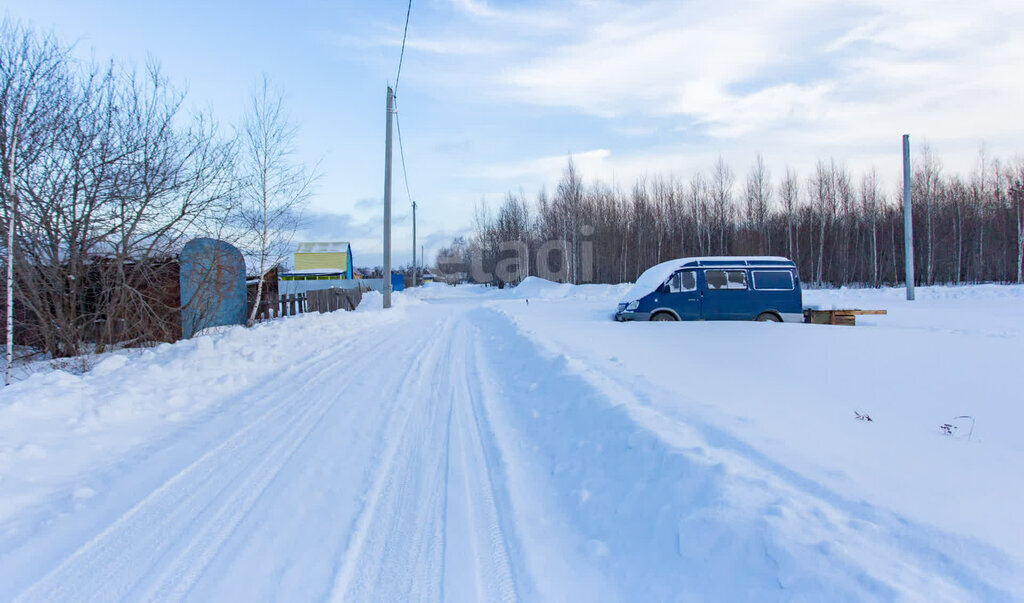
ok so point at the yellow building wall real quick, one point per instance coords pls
(309, 261)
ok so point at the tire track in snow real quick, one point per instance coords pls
(430, 529)
(547, 552)
(147, 529)
(478, 568)
(387, 550)
(200, 506)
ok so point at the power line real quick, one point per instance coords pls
(402, 55)
(401, 151)
(405, 178)
(401, 147)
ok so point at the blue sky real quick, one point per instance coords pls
(495, 95)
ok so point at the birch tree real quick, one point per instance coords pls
(722, 180)
(1017, 194)
(759, 193)
(870, 196)
(789, 193)
(276, 186)
(927, 181)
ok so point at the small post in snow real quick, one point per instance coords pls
(908, 222)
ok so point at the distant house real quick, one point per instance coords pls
(322, 256)
(318, 265)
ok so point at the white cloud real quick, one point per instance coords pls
(548, 168)
(809, 72)
(795, 80)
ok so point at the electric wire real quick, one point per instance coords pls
(401, 152)
(398, 122)
(402, 54)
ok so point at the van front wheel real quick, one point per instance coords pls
(768, 317)
(663, 316)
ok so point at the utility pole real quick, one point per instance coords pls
(387, 202)
(908, 222)
(413, 243)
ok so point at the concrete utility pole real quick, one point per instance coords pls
(413, 243)
(387, 202)
(908, 222)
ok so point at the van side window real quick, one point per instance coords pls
(726, 279)
(682, 281)
(772, 280)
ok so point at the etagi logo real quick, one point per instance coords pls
(559, 260)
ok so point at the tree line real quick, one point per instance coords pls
(105, 175)
(840, 228)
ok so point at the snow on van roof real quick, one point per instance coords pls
(654, 276)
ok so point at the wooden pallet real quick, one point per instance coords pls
(837, 317)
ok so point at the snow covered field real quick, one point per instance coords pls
(468, 446)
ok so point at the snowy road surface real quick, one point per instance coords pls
(476, 448)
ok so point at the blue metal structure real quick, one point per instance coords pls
(212, 286)
(716, 288)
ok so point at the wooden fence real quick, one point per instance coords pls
(329, 300)
(321, 300)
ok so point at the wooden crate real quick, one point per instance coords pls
(837, 317)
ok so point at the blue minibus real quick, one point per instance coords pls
(716, 288)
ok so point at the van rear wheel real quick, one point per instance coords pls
(768, 317)
(663, 316)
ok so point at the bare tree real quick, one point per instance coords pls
(823, 190)
(697, 198)
(759, 194)
(569, 198)
(275, 187)
(958, 195)
(110, 178)
(870, 198)
(852, 232)
(845, 199)
(789, 191)
(512, 227)
(1017, 194)
(979, 200)
(722, 180)
(927, 180)
(27, 63)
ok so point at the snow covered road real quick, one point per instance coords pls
(341, 487)
(439, 452)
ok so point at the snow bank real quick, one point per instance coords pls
(992, 310)
(536, 288)
(57, 425)
(532, 288)
(539, 451)
(788, 394)
(374, 301)
(432, 291)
